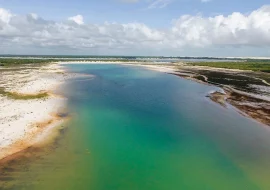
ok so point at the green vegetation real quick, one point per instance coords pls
(36, 61)
(18, 96)
(263, 66)
(17, 61)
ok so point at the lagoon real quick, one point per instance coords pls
(137, 129)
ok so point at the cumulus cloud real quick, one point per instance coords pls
(5, 15)
(78, 19)
(234, 30)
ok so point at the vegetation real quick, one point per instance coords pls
(36, 61)
(16, 61)
(253, 65)
(18, 96)
(249, 64)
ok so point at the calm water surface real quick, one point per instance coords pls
(135, 129)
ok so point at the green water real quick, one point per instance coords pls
(135, 129)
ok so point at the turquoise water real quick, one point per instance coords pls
(135, 129)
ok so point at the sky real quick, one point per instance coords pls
(136, 27)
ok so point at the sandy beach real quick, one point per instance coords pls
(23, 122)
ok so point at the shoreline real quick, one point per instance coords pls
(27, 122)
(253, 106)
(248, 104)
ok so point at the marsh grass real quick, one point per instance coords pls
(19, 96)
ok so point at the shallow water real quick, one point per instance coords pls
(138, 129)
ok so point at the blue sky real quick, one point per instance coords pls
(121, 11)
(159, 16)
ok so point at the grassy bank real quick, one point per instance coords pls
(19, 96)
(262, 66)
(15, 62)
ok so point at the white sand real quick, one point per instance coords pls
(159, 68)
(23, 121)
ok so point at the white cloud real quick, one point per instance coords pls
(235, 30)
(5, 15)
(78, 19)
